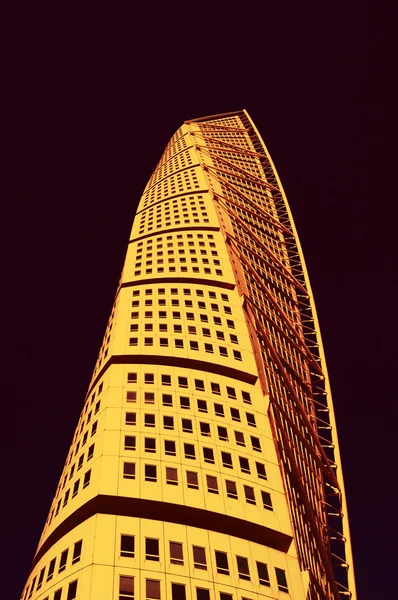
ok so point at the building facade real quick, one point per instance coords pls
(205, 463)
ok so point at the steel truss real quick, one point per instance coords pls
(277, 304)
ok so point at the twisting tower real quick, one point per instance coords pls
(205, 464)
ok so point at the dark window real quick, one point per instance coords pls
(263, 576)
(226, 460)
(72, 590)
(129, 470)
(126, 587)
(150, 472)
(166, 379)
(171, 476)
(255, 443)
(131, 396)
(199, 385)
(150, 445)
(261, 471)
(129, 442)
(249, 494)
(205, 429)
(222, 563)
(246, 397)
(167, 399)
(251, 419)
(127, 546)
(184, 402)
(266, 498)
(90, 452)
(131, 418)
(212, 485)
(222, 433)
(86, 479)
(41, 577)
(215, 388)
(187, 425)
(192, 480)
(202, 406)
(57, 595)
(199, 557)
(231, 392)
(281, 579)
(235, 414)
(183, 382)
(219, 410)
(231, 489)
(193, 345)
(168, 422)
(208, 455)
(149, 420)
(62, 562)
(244, 464)
(51, 569)
(170, 447)
(243, 568)
(202, 594)
(151, 549)
(189, 450)
(152, 589)
(240, 438)
(77, 552)
(149, 378)
(178, 591)
(176, 553)
(224, 596)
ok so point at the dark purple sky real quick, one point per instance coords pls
(92, 101)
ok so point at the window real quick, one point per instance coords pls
(231, 489)
(62, 562)
(192, 480)
(149, 378)
(170, 447)
(235, 414)
(244, 465)
(133, 341)
(226, 460)
(212, 485)
(215, 388)
(281, 580)
(199, 558)
(57, 595)
(243, 568)
(208, 455)
(131, 418)
(199, 385)
(240, 438)
(178, 591)
(222, 563)
(126, 587)
(32, 587)
(131, 377)
(205, 331)
(152, 589)
(127, 546)
(205, 429)
(131, 396)
(183, 382)
(209, 348)
(187, 425)
(86, 479)
(219, 410)
(129, 470)
(151, 549)
(51, 569)
(231, 392)
(184, 402)
(167, 399)
(168, 422)
(249, 494)
(41, 577)
(266, 498)
(246, 397)
(166, 379)
(129, 442)
(202, 594)
(90, 452)
(261, 471)
(150, 444)
(193, 345)
(189, 450)
(262, 571)
(222, 433)
(202, 406)
(255, 443)
(77, 551)
(176, 554)
(224, 596)
(251, 419)
(149, 420)
(150, 472)
(171, 476)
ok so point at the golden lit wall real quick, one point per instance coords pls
(176, 483)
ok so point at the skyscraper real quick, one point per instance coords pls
(205, 463)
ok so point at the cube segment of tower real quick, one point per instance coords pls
(205, 463)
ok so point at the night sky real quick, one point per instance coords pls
(92, 100)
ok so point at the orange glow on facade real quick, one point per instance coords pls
(205, 463)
